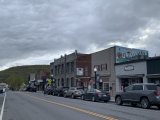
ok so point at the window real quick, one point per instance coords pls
(86, 71)
(103, 67)
(55, 70)
(67, 69)
(58, 82)
(62, 82)
(106, 86)
(72, 67)
(151, 87)
(62, 69)
(59, 67)
(138, 87)
(129, 88)
(72, 82)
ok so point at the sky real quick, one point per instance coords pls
(37, 31)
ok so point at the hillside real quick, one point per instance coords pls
(22, 71)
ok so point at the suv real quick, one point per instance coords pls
(146, 94)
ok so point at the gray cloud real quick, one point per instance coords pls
(36, 28)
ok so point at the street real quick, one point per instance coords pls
(36, 106)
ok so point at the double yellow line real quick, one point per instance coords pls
(76, 108)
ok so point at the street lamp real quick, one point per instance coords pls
(95, 70)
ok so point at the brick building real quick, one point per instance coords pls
(72, 70)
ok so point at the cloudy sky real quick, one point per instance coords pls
(37, 31)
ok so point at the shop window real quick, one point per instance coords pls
(106, 86)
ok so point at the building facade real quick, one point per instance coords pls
(77, 69)
(131, 72)
(104, 62)
(153, 70)
(72, 70)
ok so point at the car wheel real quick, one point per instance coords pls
(53, 94)
(93, 99)
(158, 107)
(82, 97)
(72, 96)
(133, 104)
(145, 103)
(58, 95)
(119, 100)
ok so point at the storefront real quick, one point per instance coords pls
(129, 73)
(153, 70)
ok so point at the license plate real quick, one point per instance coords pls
(104, 95)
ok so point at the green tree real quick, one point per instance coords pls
(15, 81)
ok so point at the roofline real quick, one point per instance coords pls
(153, 58)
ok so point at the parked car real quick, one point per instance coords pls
(1, 90)
(74, 92)
(60, 91)
(146, 94)
(31, 88)
(96, 95)
(49, 90)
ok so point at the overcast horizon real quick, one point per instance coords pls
(37, 31)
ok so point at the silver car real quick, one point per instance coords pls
(74, 92)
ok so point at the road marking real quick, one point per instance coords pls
(2, 109)
(76, 108)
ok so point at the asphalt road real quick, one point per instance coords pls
(36, 106)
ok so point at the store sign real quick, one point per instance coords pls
(127, 54)
(80, 71)
(129, 68)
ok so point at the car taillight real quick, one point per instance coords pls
(157, 93)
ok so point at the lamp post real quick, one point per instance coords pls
(95, 70)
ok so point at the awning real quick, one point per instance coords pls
(153, 76)
(131, 76)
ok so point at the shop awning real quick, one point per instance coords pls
(131, 76)
(153, 76)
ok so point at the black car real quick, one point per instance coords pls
(95, 95)
(31, 88)
(1, 90)
(49, 90)
(60, 91)
(146, 94)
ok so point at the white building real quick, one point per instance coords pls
(129, 73)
